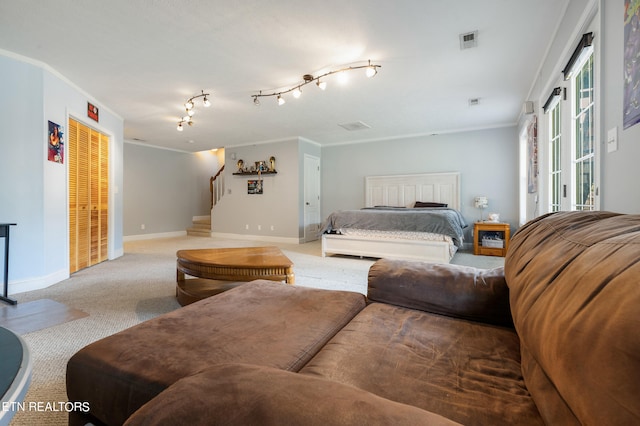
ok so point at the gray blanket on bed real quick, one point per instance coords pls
(435, 220)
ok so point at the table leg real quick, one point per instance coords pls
(291, 278)
(5, 296)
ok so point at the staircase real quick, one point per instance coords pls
(202, 224)
(201, 227)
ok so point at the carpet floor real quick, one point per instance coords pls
(140, 285)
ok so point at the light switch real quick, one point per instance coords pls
(612, 140)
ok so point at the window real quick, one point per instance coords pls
(583, 156)
(555, 157)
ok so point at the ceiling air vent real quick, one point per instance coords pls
(469, 40)
(474, 101)
(356, 125)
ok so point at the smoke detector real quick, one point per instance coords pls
(469, 40)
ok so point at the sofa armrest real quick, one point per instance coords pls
(244, 394)
(453, 290)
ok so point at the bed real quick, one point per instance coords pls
(390, 226)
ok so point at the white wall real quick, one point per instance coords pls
(34, 191)
(165, 189)
(486, 159)
(620, 171)
(271, 215)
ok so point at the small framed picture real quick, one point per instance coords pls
(254, 187)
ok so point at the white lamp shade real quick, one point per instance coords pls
(481, 202)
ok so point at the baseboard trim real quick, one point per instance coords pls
(279, 240)
(127, 238)
(38, 283)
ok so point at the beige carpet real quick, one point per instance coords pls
(141, 285)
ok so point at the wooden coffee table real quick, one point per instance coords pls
(220, 269)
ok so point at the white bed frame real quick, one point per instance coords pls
(400, 191)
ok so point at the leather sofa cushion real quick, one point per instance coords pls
(118, 374)
(245, 395)
(465, 371)
(453, 290)
(574, 281)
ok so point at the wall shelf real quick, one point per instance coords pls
(254, 173)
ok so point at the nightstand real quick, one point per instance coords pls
(491, 238)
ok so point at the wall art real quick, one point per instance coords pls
(55, 143)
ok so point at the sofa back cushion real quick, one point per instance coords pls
(453, 290)
(574, 284)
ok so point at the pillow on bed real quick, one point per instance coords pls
(429, 204)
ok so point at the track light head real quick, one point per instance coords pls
(371, 70)
(206, 102)
(321, 84)
(297, 92)
(281, 100)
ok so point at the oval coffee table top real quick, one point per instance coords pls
(242, 257)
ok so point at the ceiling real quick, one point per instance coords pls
(143, 59)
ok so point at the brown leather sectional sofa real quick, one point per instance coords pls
(553, 338)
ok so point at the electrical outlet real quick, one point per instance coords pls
(612, 139)
(142, 226)
(273, 227)
(246, 226)
(259, 227)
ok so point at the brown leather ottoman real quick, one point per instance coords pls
(120, 373)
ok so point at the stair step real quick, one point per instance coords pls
(202, 225)
(199, 232)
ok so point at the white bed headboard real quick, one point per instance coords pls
(405, 190)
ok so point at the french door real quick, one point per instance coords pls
(572, 172)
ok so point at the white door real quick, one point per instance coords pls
(312, 220)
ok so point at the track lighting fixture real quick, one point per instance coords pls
(370, 71)
(189, 108)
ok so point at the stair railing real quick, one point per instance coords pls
(216, 187)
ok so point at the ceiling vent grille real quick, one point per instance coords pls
(356, 125)
(469, 40)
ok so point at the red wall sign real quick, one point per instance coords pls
(92, 111)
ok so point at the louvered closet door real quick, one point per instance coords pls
(88, 196)
(72, 161)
